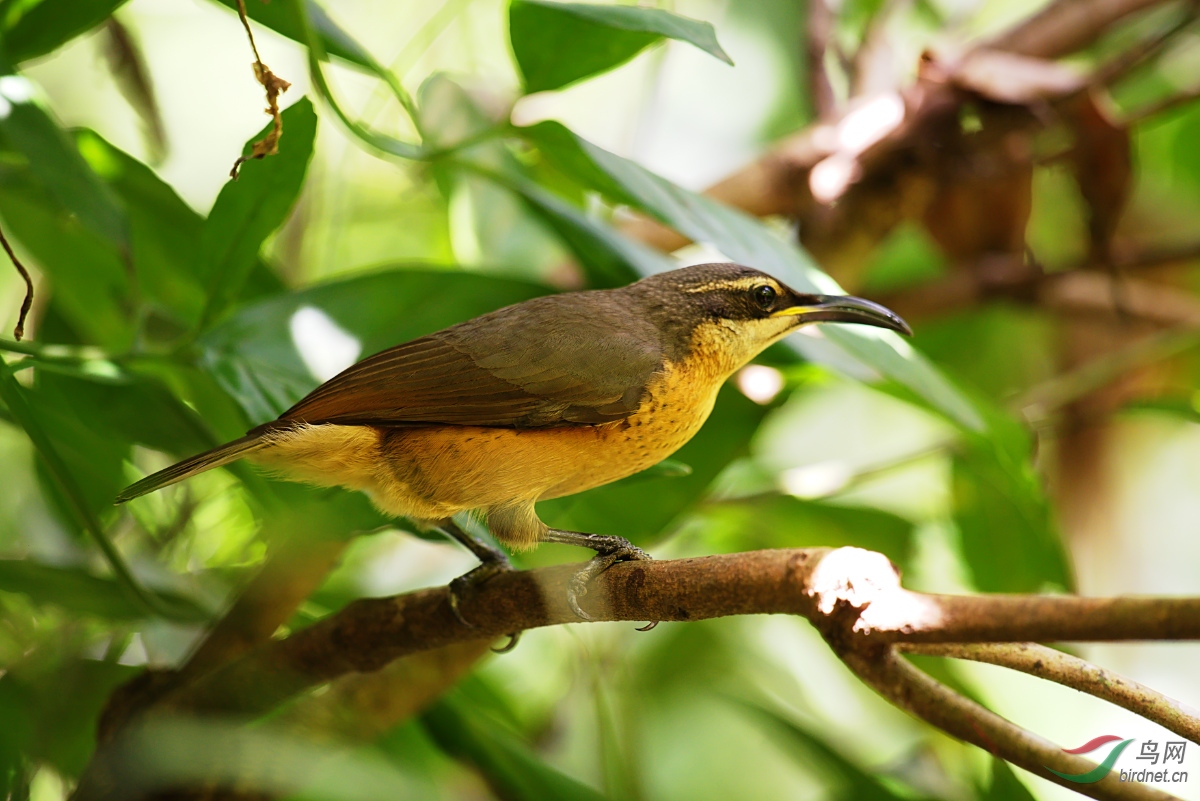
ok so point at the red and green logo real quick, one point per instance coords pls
(1100, 771)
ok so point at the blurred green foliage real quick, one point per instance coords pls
(161, 331)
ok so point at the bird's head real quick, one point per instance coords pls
(735, 312)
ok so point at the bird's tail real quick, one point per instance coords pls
(229, 452)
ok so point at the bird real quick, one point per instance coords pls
(538, 400)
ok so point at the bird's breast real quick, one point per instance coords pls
(677, 403)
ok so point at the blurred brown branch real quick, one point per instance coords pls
(853, 597)
(1071, 671)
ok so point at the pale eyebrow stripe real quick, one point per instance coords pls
(748, 282)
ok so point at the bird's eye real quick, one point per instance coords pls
(764, 296)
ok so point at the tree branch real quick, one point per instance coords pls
(914, 691)
(813, 582)
(1078, 674)
(852, 596)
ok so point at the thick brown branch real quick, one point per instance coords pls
(371, 633)
(914, 691)
(1071, 671)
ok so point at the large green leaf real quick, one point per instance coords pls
(45, 25)
(257, 358)
(1009, 538)
(54, 160)
(600, 37)
(746, 240)
(164, 232)
(81, 592)
(88, 280)
(510, 768)
(248, 209)
(60, 704)
(78, 502)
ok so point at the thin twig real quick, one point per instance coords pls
(274, 86)
(1071, 671)
(1128, 60)
(26, 304)
(1161, 106)
(914, 691)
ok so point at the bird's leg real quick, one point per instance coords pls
(492, 562)
(609, 550)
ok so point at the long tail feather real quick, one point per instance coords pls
(229, 452)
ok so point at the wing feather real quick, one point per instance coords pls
(558, 360)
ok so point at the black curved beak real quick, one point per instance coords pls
(844, 309)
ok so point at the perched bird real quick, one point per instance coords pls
(538, 400)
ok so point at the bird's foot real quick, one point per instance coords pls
(493, 562)
(609, 550)
(465, 584)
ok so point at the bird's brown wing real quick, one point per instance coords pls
(559, 360)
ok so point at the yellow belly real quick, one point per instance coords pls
(433, 472)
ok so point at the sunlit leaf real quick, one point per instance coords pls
(601, 37)
(251, 207)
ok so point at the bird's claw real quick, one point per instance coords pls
(513, 639)
(578, 586)
(467, 582)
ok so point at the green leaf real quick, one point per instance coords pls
(851, 781)
(513, 770)
(62, 704)
(46, 25)
(746, 240)
(14, 398)
(782, 521)
(55, 162)
(1005, 785)
(1009, 539)
(248, 209)
(600, 37)
(610, 259)
(256, 357)
(282, 18)
(90, 284)
(81, 592)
